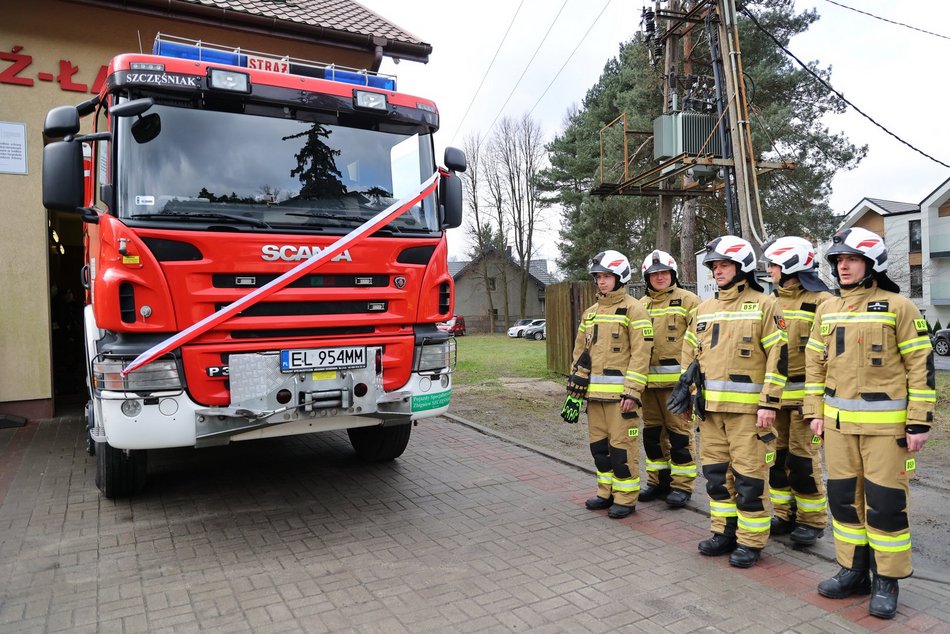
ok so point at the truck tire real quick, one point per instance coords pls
(379, 444)
(119, 473)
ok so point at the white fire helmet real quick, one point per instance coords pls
(613, 262)
(730, 249)
(658, 261)
(859, 241)
(792, 254)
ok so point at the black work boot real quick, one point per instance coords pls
(620, 511)
(806, 535)
(883, 603)
(846, 583)
(716, 545)
(779, 526)
(678, 498)
(659, 490)
(598, 503)
(744, 556)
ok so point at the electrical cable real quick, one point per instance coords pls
(487, 70)
(527, 66)
(877, 17)
(830, 88)
(569, 57)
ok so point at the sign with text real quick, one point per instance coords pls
(12, 148)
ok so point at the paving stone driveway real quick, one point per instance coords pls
(464, 533)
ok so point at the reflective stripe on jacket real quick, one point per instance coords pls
(742, 350)
(619, 335)
(671, 310)
(869, 364)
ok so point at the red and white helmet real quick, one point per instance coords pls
(613, 262)
(859, 241)
(658, 261)
(730, 249)
(792, 254)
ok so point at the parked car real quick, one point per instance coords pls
(536, 332)
(518, 329)
(454, 326)
(942, 342)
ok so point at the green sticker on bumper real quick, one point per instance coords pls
(431, 401)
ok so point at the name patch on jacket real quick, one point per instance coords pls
(878, 307)
(749, 307)
(701, 326)
(676, 302)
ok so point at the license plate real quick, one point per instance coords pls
(322, 359)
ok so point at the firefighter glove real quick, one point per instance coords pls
(572, 409)
(680, 399)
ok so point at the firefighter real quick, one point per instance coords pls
(667, 438)
(870, 390)
(796, 483)
(738, 342)
(611, 358)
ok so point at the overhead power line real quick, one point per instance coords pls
(487, 70)
(877, 17)
(830, 88)
(569, 57)
(527, 66)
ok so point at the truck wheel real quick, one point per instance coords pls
(120, 474)
(379, 444)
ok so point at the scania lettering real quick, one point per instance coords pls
(290, 253)
(266, 253)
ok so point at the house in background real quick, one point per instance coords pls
(471, 300)
(918, 246)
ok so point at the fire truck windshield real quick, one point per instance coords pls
(261, 173)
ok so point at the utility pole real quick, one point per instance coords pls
(664, 221)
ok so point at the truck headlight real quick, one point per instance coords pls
(156, 376)
(436, 357)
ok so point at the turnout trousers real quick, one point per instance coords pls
(736, 463)
(796, 480)
(868, 487)
(614, 443)
(668, 441)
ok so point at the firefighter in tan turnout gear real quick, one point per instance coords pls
(611, 357)
(870, 389)
(796, 485)
(739, 345)
(667, 438)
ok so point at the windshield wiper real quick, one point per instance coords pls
(328, 216)
(200, 215)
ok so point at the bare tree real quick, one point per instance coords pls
(519, 153)
(498, 201)
(479, 229)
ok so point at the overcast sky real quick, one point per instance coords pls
(894, 74)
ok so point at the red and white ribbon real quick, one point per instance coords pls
(357, 235)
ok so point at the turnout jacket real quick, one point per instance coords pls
(798, 309)
(618, 334)
(671, 310)
(738, 338)
(869, 364)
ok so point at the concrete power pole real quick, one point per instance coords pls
(744, 159)
(671, 57)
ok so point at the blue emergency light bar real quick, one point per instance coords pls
(182, 48)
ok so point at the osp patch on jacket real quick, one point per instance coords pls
(921, 326)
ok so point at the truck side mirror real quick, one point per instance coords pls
(60, 122)
(63, 176)
(451, 201)
(455, 159)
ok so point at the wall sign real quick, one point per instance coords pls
(17, 72)
(12, 148)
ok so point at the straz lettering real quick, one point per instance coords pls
(273, 65)
(292, 253)
(164, 79)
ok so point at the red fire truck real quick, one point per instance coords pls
(265, 253)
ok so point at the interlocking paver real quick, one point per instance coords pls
(465, 532)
